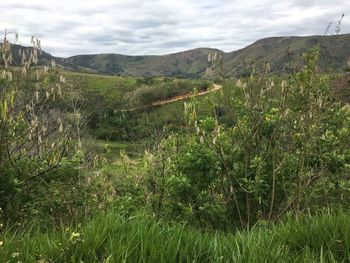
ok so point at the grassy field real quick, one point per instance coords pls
(111, 237)
(111, 88)
(114, 148)
(114, 89)
(109, 96)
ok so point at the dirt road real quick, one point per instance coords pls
(185, 96)
(215, 87)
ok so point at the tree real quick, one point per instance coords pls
(285, 139)
(40, 123)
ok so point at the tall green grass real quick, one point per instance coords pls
(111, 238)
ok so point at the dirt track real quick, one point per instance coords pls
(215, 87)
(185, 96)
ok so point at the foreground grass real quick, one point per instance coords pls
(112, 238)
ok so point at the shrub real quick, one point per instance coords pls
(40, 127)
(286, 140)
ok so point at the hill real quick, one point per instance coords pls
(184, 64)
(282, 53)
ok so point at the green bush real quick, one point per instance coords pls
(286, 146)
(40, 134)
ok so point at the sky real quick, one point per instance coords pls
(145, 27)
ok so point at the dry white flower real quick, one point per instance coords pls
(9, 76)
(320, 102)
(59, 90)
(36, 94)
(60, 129)
(3, 74)
(62, 79)
(24, 71)
(283, 85)
(209, 57)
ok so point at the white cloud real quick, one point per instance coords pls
(69, 27)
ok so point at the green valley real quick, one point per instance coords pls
(112, 158)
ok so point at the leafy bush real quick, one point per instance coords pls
(286, 140)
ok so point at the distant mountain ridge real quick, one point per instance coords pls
(186, 64)
(282, 53)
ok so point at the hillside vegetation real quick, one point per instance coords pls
(257, 171)
(284, 54)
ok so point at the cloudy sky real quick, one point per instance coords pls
(70, 27)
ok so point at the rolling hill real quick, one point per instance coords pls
(282, 53)
(185, 64)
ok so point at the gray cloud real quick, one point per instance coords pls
(138, 27)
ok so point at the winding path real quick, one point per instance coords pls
(215, 87)
(185, 96)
